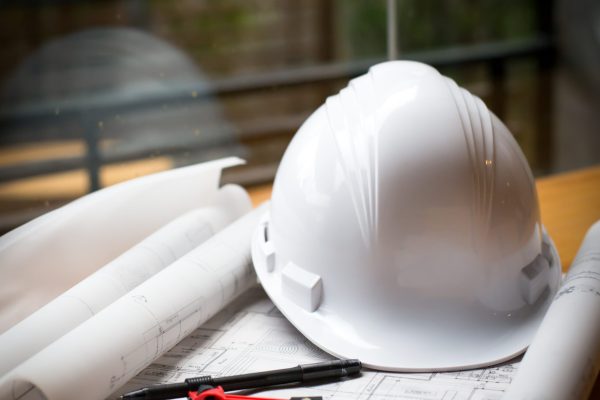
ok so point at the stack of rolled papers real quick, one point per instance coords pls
(101, 332)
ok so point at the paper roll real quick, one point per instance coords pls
(563, 361)
(112, 281)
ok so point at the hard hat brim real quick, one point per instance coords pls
(398, 345)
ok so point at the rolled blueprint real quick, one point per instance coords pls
(46, 256)
(115, 279)
(110, 348)
(563, 361)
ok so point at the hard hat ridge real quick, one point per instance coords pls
(480, 137)
(353, 123)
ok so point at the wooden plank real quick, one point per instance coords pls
(570, 204)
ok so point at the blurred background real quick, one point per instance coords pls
(96, 92)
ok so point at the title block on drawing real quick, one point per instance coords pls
(302, 287)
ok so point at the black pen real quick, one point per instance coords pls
(302, 373)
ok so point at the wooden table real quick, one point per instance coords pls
(569, 202)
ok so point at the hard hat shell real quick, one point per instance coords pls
(404, 228)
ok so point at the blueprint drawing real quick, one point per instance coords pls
(251, 335)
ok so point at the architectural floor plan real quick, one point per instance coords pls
(251, 335)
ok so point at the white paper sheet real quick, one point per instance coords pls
(108, 349)
(45, 257)
(251, 335)
(563, 360)
(117, 278)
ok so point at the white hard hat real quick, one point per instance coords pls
(404, 228)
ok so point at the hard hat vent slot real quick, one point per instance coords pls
(266, 246)
(547, 253)
(302, 287)
(534, 279)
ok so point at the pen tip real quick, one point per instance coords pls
(136, 394)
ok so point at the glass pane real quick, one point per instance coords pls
(93, 93)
